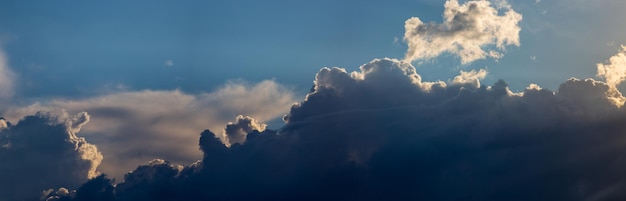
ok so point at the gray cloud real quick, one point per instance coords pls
(467, 30)
(42, 151)
(131, 128)
(236, 132)
(381, 133)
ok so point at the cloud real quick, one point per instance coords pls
(614, 72)
(472, 77)
(131, 128)
(7, 78)
(381, 133)
(42, 151)
(169, 63)
(236, 132)
(467, 30)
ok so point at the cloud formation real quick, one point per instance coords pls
(468, 30)
(381, 133)
(131, 128)
(614, 72)
(42, 151)
(236, 132)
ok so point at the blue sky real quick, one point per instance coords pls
(70, 50)
(80, 49)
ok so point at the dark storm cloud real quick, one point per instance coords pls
(42, 151)
(383, 134)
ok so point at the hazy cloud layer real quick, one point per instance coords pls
(7, 78)
(42, 151)
(468, 30)
(380, 133)
(131, 128)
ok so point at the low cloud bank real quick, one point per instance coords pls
(381, 133)
(131, 128)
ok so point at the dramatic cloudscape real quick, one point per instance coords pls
(322, 100)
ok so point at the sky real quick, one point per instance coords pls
(325, 92)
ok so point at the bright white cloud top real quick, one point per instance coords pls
(614, 72)
(468, 30)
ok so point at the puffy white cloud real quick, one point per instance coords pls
(472, 77)
(42, 151)
(131, 128)
(614, 72)
(467, 30)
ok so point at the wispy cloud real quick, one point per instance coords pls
(169, 63)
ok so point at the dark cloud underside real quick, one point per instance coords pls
(363, 136)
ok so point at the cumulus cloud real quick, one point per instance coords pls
(614, 72)
(237, 131)
(42, 151)
(380, 133)
(468, 30)
(365, 136)
(131, 128)
(472, 77)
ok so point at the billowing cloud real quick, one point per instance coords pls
(236, 132)
(42, 151)
(7, 78)
(131, 128)
(381, 133)
(472, 77)
(614, 72)
(467, 31)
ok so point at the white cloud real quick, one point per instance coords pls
(131, 128)
(472, 77)
(614, 72)
(466, 31)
